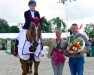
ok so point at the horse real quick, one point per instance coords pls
(29, 47)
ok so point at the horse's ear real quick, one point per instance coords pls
(42, 18)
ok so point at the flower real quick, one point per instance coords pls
(75, 45)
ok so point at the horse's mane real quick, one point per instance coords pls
(31, 33)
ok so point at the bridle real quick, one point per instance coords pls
(34, 33)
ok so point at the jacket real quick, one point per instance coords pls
(28, 16)
(52, 44)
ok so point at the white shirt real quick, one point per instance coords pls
(32, 13)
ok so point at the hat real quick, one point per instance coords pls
(32, 2)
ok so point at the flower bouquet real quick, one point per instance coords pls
(75, 45)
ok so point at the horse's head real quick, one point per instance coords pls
(34, 34)
(34, 31)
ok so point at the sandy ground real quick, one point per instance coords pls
(10, 65)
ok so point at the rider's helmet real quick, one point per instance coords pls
(32, 2)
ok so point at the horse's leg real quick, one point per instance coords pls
(24, 66)
(31, 60)
(36, 64)
(30, 66)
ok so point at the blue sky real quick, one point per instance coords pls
(81, 11)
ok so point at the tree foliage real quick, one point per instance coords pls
(46, 26)
(58, 23)
(89, 29)
(14, 29)
(49, 26)
(5, 28)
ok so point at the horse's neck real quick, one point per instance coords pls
(28, 36)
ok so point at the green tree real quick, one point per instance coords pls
(14, 29)
(58, 23)
(46, 26)
(89, 29)
(4, 26)
(3, 43)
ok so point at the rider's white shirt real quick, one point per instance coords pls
(32, 13)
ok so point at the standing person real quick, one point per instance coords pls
(31, 13)
(92, 46)
(56, 49)
(76, 60)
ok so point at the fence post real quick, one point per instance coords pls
(9, 46)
